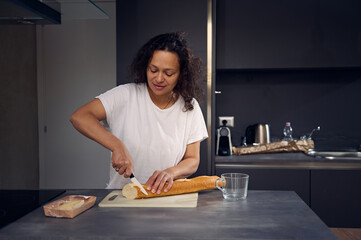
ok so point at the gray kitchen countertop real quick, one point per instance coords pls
(263, 215)
(285, 160)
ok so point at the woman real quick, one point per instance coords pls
(156, 124)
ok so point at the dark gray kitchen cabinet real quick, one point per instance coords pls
(333, 194)
(276, 179)
(336, 197)
(288, 34)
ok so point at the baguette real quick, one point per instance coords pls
(180, 186)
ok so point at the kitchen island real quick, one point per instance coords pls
(263, 215)
(328, 186)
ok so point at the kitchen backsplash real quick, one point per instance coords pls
(305, 97)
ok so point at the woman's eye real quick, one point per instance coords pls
(169, 74)
(153, 70)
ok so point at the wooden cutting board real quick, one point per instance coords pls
(116, 199)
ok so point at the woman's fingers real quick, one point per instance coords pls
(128, 171)
(122, 170)
(158, 181)
(122, 162)
(169, 185)
(151, 180)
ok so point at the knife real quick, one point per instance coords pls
(137, 183)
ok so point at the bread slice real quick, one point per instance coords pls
(70, 205)
(180, 186)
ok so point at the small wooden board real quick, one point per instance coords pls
(116, 199)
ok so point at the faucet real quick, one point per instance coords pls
(313, 130)
(310, 135)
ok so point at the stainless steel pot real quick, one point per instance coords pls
(258, 134)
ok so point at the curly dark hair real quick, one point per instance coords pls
(191, 67)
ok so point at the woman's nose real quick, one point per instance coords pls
(159, 77)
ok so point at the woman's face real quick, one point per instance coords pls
(163, 72)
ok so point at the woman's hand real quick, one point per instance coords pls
(185, 168)
(158, 180)
(122, 162)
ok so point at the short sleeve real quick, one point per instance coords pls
(198, 129)
(113, 100)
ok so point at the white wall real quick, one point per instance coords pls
(76, 62)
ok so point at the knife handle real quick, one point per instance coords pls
(131, 175)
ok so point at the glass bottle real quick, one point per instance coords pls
(287, 132)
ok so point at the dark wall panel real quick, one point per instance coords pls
(140, 20)
(19, 148)
(308, 98)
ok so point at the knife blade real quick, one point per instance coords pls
(137, 183)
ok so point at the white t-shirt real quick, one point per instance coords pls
(155, 138)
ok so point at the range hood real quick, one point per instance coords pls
(49, 11)
(29, 12)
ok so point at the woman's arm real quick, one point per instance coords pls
(186, 167)
(87, 121)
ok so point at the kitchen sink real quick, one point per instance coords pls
(351, 155)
